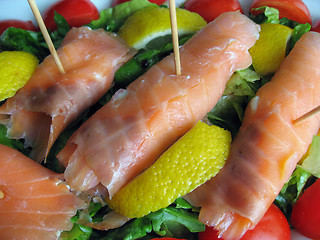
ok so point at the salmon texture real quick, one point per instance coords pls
(128, 134)
(268, 146)
(42, 109)
(34, 203)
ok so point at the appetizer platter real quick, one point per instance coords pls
(111, 141)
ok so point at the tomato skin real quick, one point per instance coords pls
(210, 9)
(273, 226)
(292, 9)
(316, 27)
(27, 25)
(76, 13)
(305, 217)
(116, 2)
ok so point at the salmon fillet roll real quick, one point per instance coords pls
(139, 123)
(268, 146)
(34, 202)
(50, 101)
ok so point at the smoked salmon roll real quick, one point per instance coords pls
(139, 123)
(50, 101)
(34, 202)
(268, 146)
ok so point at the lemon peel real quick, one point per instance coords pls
(270, 49)
(151, 22)
(192, 160)
(16, 68)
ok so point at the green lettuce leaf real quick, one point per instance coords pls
(241, 88)
(291, 191)
(16, 39)
(241, 83)
(111, 19)
(78, 232)
(156, 50)
(271, 15)
(267, 15)
(180, 219)
(169, 222)
(298, 31)
(312, 162)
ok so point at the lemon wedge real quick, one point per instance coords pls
(192, 160)
(270, 49)
(151, 22)
(16, 68)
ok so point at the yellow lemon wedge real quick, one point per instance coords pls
(16, 68)
(191, 161)
(270, 49)
(152, 22)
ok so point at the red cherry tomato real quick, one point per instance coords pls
(27, 25)
(273, 226)
(76, 13)
(305, 216)
(210, 9)
(316, 27)
(116, 2)
(292, 9)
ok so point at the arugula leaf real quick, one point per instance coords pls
(182, 203)
(111, 19)
(167, 222)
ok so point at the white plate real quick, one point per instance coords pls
(19, 9)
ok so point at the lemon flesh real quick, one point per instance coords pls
(270, 49)
(16, 68)
(152, 22)
(191, 161)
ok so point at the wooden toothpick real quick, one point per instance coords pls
(46, 35)
(307, 115)
(175, 38)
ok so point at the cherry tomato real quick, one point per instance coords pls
(273, 226)
(27, 25)
(292, 9)
(316, 27)
(210, 9)
(76, 13)
(116, 2)
(305, 216)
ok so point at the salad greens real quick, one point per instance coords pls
(311, 162)
(16, 39)
(271, 15)
(111, 19)
(179, 219)
(156, 50)
(169, 222)
(292, 190)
